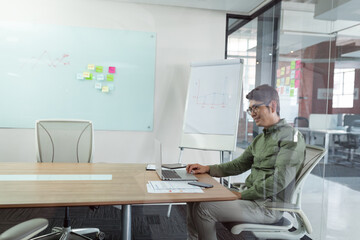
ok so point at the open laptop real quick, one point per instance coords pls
(169, 175)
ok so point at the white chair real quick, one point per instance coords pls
(25, 230)
(65, 141)
(280, 230)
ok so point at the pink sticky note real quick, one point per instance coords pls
(297, 83)
(287, 69)
(297, 74)
(298, 62)
(111, 69)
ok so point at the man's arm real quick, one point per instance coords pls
(197, 168)
(288, 162)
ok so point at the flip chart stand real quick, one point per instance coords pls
(222, 160)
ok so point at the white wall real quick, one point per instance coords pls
(183, 35)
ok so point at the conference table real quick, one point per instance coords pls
(26, 185)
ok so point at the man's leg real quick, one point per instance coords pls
(206, 214)
(192, 232)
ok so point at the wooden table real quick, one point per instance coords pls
(127, 186)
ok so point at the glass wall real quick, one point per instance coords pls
(310, 52)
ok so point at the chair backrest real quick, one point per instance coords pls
(349, 118)
(313, 156)
(301, 122)
(64, 141)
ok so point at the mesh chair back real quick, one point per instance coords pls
(301, 122)
(313, 156)
(64, 141)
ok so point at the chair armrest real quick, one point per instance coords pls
(282, 206)
(25, 230)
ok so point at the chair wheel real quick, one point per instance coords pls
(100, 236)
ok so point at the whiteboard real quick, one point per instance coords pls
(63, 72)
(213, 105)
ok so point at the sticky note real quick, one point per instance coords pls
(90, 77)
(111, 87)
(105, 89)
(91, 66)
(297, 74)
(99, 69)
(111, 69)
(297, 83)
(298, 64)
(292, 65)
(98, 86)
(287, 69)
(292, 74)
(292, 83)
(79, 76)
(278, 72)
(100, 77)
(287, 81)
(282, 71)
(292, 92)
(278, 81)
(287, 90)
(86, 74)
(282, 82)
(110, 77)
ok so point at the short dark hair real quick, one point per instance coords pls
(265, 94)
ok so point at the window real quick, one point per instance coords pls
(343, 93)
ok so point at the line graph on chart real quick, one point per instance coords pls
(215, 95)
(46, 59)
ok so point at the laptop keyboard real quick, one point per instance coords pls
(170, 174)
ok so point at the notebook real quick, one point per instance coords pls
(169, 175)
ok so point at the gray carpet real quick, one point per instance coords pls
(148, 222)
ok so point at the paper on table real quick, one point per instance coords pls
(172, 187)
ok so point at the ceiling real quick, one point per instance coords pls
(242, 7)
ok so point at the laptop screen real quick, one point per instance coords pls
(157, 157)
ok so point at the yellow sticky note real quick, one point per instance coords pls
(91, 66)
(86, 74)
(105, 89)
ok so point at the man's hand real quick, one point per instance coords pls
(197, 168)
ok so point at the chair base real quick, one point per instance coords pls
(62, 233)
(279, 230)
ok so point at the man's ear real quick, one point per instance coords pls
(273, 106)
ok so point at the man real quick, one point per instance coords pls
(275, 157)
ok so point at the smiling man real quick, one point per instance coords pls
(275, 157)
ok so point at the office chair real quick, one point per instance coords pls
(301, 122)
(65, 141)
(25, 230)
(351, 140)
(280, 230)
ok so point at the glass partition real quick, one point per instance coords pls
(317, 75)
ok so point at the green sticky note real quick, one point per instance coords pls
(292, 83)
(292, 66)
(110, 77)
(292, 92)
(89, 77)
(99, 69)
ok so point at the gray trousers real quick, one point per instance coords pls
(202, 216)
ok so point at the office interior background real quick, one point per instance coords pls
(308, 49)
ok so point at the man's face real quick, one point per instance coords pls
(261, 113)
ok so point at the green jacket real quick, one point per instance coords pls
(274, 157)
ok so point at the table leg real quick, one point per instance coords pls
(126, 222)
(327, 140)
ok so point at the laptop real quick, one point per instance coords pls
(169, 175)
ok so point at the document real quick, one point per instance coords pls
(172, 187)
